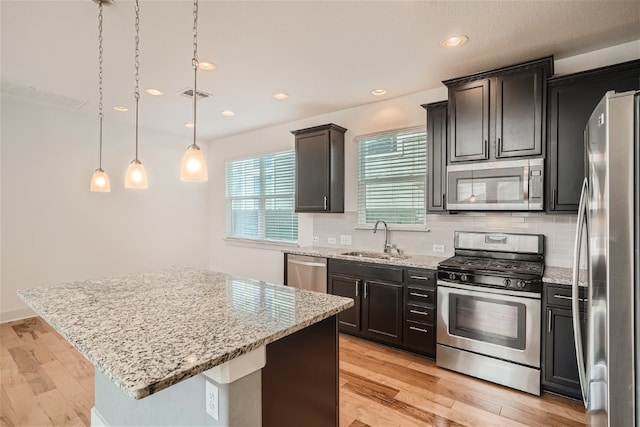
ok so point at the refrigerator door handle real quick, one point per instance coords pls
(582, 221)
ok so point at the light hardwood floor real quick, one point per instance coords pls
(44, 381)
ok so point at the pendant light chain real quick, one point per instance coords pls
(195, 64)
(137, 65)
(100, 115)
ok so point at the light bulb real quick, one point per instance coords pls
(194, 166)
(136, 176)
(473, 198)
(100, 182)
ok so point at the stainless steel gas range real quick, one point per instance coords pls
(489, 302)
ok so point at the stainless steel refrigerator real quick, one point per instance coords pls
(608, 352)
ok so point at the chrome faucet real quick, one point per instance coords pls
(387, 246)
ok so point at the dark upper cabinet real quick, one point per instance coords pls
(500, 113)
(469, 121)
(436, 156)
(572, 99)
(320, 169)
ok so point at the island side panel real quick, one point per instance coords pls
(300, 379)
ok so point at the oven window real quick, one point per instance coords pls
(488, 320)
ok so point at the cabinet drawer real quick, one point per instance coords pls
(421, 277)
(366, 270)
(560, 296)
(420, 313)
(420, 337)
(420, 295)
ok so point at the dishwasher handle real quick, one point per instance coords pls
(306, 263)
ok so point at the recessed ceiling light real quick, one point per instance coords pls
(120, 108)
(206, 66)
(189, 125)
(378, 92)
(154, 92)
(455, 41)
(228, 113)
(280, 96)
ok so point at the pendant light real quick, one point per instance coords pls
(194, 166)
(100, 179)
(136, 175)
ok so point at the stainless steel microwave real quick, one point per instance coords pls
(511, 185)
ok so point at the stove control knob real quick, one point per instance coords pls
(452, 276)
(464, 277)
(521, 284)
(506, 282)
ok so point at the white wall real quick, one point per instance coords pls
(267, 263)
(54, 229)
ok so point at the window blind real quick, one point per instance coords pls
(260, 198)
(392, 177)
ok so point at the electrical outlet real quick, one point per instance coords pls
(331, 240)
(211, 397)
(345, 239)
(316, 239)
(438, 248)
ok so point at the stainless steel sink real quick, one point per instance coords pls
(375, 255)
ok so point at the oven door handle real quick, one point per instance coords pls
(575, 307)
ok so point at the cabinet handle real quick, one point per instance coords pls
(413, 328)
(357, 287)
(444, 202)
(553, 198)
(325, 203)
(424, 313)
(486, 147)
(420, 277)
(415, 294)
(549, 321)
(366, 286)
(569, 298)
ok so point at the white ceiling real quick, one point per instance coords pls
(327, 55)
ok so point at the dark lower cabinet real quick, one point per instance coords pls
(348, 320)
(559, 363)
(572, 99)
(393, 305)
(382, 311)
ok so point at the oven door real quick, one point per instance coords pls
(490, 322)
(507, 185)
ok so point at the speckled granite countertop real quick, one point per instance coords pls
(557, 275)
(147, 332)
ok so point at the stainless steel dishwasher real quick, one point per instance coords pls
(307, 272)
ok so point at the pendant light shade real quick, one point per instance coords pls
(100, 179)
(100, 182)
(136, 176)
(194, 165)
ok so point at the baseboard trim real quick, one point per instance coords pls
(23, 313)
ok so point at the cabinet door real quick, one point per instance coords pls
(348, 320)
(382, 311)
(520, 113)
(469, 121)
(312, 171)
(560, 365)
(571, 102)
(436, 156)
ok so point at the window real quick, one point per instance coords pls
(260, 198)
(392, 177)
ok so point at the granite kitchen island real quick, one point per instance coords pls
(196, 347)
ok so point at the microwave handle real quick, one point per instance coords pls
(525, 185)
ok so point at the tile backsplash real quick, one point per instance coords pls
(559, 232)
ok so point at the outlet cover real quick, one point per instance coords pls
(316, 239)
(331, 240)
(345, 239)
(211, 396)
(438, 248)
